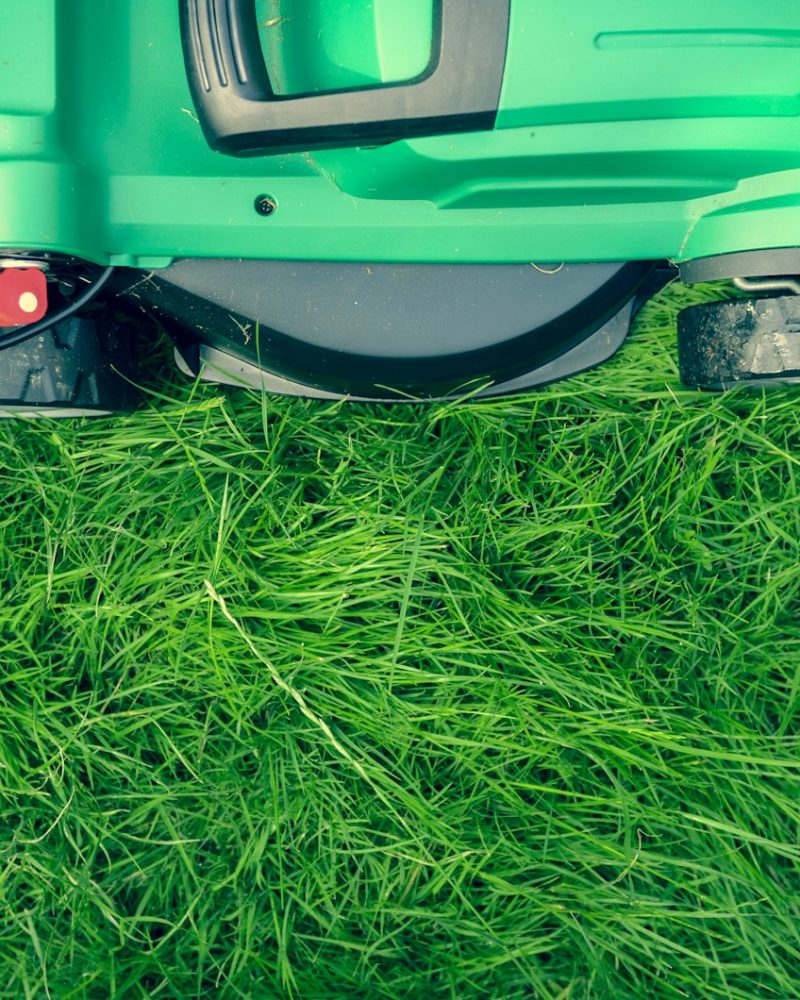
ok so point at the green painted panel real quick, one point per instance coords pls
(627, 130)
(27, 58)
(579, 61)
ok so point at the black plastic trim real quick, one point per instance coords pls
(212, 365)
(201, 298)
(747, 264)
(242, 115)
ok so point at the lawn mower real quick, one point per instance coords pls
(391, 199)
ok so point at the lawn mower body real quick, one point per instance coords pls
(399, 197)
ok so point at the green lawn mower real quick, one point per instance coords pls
(391, 199)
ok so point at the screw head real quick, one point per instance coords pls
(265, 205)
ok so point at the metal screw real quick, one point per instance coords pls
(265, 205)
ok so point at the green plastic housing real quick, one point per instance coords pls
(316, 46)
(626, 130)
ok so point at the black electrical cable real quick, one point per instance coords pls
(33, 329)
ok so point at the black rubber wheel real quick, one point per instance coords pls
(754, 341)
(84, 366)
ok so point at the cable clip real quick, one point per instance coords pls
(23, 296)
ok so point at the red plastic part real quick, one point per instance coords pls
(23, 296)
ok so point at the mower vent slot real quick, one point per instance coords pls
(197, 45)
(237, 48)
(216, 41)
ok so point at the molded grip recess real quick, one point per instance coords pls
(242, 115)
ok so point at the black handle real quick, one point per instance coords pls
(241, 114)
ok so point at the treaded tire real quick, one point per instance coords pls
(755, 341)
(80, 367)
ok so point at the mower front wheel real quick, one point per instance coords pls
(751, 341)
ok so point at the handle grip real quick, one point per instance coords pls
(241, 114)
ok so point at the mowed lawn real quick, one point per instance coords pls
(467, 700)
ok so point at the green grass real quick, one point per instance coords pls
(470, 700)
